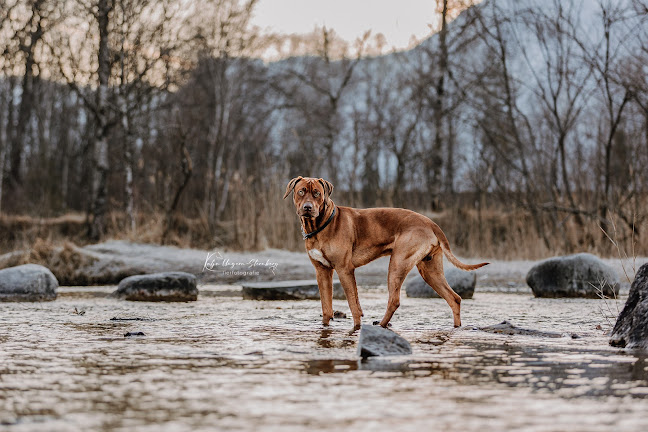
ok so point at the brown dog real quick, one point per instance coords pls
(343, 239)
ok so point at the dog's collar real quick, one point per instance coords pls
(312, 233)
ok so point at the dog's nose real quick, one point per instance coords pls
(308, 207)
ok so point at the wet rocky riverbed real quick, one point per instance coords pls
(223, 363)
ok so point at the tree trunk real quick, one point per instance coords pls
(615, 120)
(3, 143)
(450, 166)
(222, 203)
(100, 179)
(27, 96)
(215, 178)
(209, 174)
(8, 129)
(126, 130)
(65, 173)
(218, 145)
(332, 167)
(437, 159)
(128, 169)
(187, 171)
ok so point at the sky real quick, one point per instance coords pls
(397, 20)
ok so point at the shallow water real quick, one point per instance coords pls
(227, 363)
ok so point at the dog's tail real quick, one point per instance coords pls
(445, 247)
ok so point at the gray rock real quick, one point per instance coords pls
(506, 328)
(378, 341)
(288, 290)
(580, 275)
(461, 281)
(167, 287)
(72, 265)
(27, 283)
(631, 328)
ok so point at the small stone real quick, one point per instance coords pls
(339, 314)
(581, 275)
(27, 283)
(288, 290)
(462, 282)
(166, 287)
(377, 341)
(631, 327)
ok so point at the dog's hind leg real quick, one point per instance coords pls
(432, 273)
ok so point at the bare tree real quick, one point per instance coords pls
(6, 92)
(603, 56)
(148, 36)
(436, 160)
(224, 34)
(187, 170)
(507, 132)
(315, 89)
(437, 78)
(75, 69)
(29, 37)
(561, 83)
(394, 119)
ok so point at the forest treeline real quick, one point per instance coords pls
(520, 126)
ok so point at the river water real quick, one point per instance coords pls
(223, 363)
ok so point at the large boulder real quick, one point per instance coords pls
(461, 281)
(110, 262)
(288, 290)
(27, 283)
(631, 328)
(378, 341)
(167, 287)
(580, 275)
(73, 265)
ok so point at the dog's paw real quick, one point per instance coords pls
(354, 329)
(378, 323)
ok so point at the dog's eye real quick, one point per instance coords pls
(316, 194)
(301, 192)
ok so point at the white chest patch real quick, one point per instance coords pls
(317, 255)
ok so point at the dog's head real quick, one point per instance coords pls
(310, 195)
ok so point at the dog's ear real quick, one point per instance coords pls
(328, 187)
(291, 185)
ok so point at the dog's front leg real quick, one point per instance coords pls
(347, 278)
(325, 284)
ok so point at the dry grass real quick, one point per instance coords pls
(21, 232)
(492, 233)
(511, 235)
(64, 260)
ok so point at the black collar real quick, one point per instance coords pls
(312, 233)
